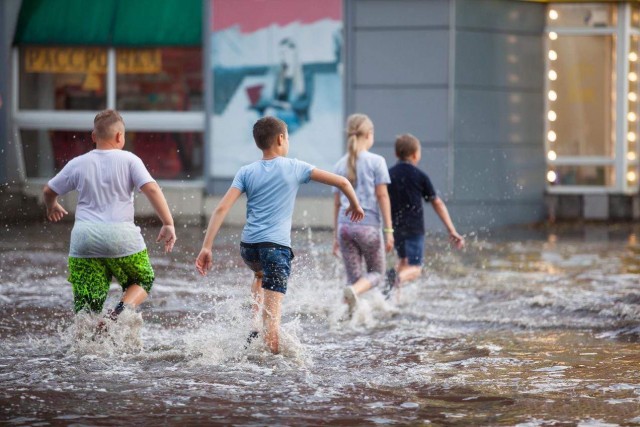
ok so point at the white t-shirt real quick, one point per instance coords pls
(105, 180)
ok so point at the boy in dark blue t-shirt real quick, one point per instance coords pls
(409, 186)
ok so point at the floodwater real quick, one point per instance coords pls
(528, 327)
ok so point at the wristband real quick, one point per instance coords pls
(388, 230)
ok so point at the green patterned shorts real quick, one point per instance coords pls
(91, 277)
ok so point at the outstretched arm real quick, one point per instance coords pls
(167, 234)
(441, 209)
(354, 211)
(204, 262)
(382, 194)
(336, 211)
(55, 211)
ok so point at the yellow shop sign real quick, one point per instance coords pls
(90, 60)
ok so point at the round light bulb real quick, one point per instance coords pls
(633, 57)
(632, 96)
(631, 156)
(553, 75)
(553, 35)
(633, 77)
(632, 117)
(553, 55)
(631, 176)
(551, 136)
(551, 155)
(552, 116)
(552, 95)
(551, 176)
(631, 136)
(553, 14)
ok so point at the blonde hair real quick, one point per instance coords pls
(103, 123)
(358, 127)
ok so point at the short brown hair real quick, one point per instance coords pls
(103, 123)
(406, 145)
(266, 131)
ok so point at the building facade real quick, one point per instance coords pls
(524, 109)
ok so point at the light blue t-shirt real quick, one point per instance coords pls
(371, 170)
(271, 187)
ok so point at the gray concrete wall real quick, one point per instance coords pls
(466, 78)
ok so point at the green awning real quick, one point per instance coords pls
(130, 23)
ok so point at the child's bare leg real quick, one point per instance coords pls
(361, 286)
(271, 319)
(409, 273)
(134, 295)
(402, 263)
(257, 294)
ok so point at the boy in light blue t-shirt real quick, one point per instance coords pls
(271, 185)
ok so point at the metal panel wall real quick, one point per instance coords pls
(465, 77)
(498, 113)
(9, 10)
(398, 73)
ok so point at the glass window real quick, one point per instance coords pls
(633, 112)
(581, 97)
(635, 15)
(49, 150)
(585, 175)
(162, 79)
(62, 78)
(167, 155)
(582, 15)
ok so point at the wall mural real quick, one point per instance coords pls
(281, 58)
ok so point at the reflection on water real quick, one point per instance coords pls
(526, 327)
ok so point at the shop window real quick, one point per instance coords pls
(635, 15)
(581, 96)
(591, 15)
(60, 78)
(162, 79)
(167, 155)
(600, 176)
(49, 150)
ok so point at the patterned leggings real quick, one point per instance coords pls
(358, 242)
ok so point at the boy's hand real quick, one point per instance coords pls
(456, 240)
(56, 212)
(168, 236)
(355, 213)
(204, 262)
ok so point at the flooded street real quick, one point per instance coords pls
(531, 327)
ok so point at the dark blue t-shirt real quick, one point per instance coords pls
(409, 186)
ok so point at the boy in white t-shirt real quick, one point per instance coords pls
(105, 242)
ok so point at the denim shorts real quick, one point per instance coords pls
(273, 260)
(410, 247)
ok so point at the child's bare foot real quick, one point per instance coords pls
(351, 299)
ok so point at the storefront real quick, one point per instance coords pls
(73, 58)
(592, 112)
(514, 101)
